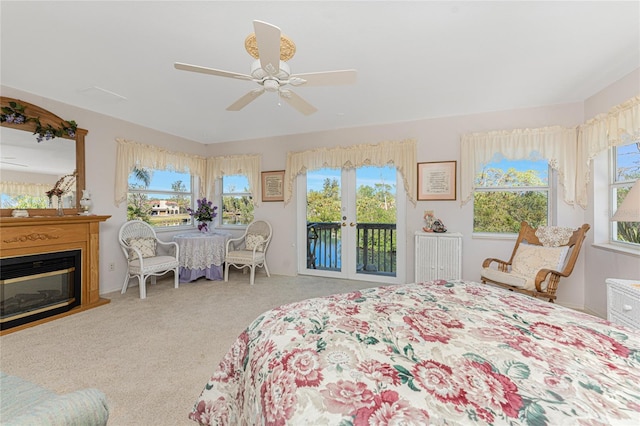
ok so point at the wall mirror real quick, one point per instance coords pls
(30, 168)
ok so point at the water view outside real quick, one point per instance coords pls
(375, 207)
(159, 197)
(237, 201)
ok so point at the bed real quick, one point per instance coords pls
(435, 353)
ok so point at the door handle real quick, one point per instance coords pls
(352, 224)
(344, 223)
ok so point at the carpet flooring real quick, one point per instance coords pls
(153, 357)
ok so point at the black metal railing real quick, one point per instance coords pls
(323, 245)
(376, 247)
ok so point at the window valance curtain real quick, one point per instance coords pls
(619, 126)
(131, 154)
(248, 165)
(556, 144)
(24, 188)
(402, 154)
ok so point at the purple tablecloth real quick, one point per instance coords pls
(211, 273)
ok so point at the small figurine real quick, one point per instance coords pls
(429, 217)
(438, 226)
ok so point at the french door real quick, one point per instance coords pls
(351, 224)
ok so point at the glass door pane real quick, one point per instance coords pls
(350, 221)
(323, 220)
(376, 214)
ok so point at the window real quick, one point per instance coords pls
(160, 197)
(508, 192)
(237, 204)
(625, 171)
(14, 195)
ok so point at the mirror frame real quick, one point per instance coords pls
(47, 117)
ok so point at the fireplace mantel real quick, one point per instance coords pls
(47, 234)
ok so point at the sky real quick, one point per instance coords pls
(367, 176)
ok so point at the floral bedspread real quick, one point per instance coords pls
(436, 353)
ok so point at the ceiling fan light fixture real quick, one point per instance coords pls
(271, 85)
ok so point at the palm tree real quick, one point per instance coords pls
(143, 175)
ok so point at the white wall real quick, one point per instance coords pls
(438, 140)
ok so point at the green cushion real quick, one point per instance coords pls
(24, 403)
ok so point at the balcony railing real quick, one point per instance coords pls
(376, 247)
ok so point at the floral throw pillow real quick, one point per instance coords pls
(252, 241)
(147, 247)
(529, 259)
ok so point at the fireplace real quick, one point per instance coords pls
(23, 237)
(39, 286)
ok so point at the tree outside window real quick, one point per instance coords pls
(509, 192)
(626, 170)
(237, 201)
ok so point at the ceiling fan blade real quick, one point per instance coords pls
(212, 71)
(13, 164)
(245, 100)
(297, 102)
(268, 40)
(327, 78)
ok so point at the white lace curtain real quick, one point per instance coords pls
(556, 144)
(569, 150)
(23, 188)
(131, 154)
(619, 126)
(401, 154)
(247, 165)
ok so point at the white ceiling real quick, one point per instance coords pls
(415, 60)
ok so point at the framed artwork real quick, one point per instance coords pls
(437, 181)
(273, 186)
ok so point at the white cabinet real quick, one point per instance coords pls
(623, 302)
(438, 256)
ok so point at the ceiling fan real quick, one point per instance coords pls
(271, 49)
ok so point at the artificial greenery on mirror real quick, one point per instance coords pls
(15, 114)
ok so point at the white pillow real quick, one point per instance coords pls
(252, 241)
(529, 259)
(147, 247)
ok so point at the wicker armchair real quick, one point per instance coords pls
(250, 250)
(146, 255)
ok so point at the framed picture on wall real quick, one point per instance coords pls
(273, 186)
(437, 181)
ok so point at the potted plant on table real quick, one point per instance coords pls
(204, 214)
